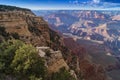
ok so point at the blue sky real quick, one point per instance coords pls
(64, 4)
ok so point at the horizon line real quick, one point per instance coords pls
(79, 8)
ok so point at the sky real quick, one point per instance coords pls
(64, 4)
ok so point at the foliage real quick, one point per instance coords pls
(27, 62)
(34, 30)
(7, 35)
(54, 37)
(7, 52)
(15, 35)
(48, 53)
(3, 32)
(63, 74)
(21, 61)
(34, 78)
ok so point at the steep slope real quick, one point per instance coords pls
(22, 24)
(84, 66)
(30, 28)
(89, 25)
(97, 31)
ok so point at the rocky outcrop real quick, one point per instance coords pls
(54, 59)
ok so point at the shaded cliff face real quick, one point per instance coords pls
(83, 62)
(29, 28)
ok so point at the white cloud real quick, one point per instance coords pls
(96, 1)
(94, 5)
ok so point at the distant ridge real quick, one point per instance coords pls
(12, 8)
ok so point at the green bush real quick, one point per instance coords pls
(63, 74)
(4, 33)
(27, 62)
(15, 35)
(7, 52)
(35, 30)
(21, 61)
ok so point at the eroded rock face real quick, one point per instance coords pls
(92, 71)
(30, 28)
(85, 68)
(54, 59)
